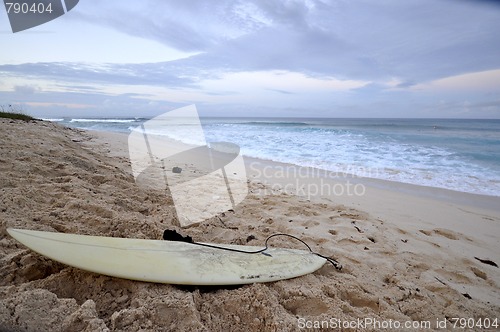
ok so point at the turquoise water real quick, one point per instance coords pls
(462, 155)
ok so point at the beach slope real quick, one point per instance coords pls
(408, 257)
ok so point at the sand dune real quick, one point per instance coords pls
(408, 254)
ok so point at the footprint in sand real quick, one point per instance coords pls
(444, 233)
(310, 223)
(428, 233)
(306, 307)
(360, 299)
(479, 273)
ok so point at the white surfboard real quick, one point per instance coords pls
(169, 261)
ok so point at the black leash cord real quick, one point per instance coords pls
(332, 261)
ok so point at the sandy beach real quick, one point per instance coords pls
(413, 257)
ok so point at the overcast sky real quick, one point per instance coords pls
(301, 58)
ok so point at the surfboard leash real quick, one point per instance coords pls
(172, 235)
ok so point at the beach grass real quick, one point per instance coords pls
(14, 114)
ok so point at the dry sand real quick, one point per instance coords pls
(408, 252)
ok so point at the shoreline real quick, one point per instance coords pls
(427, 165)
(487, 202)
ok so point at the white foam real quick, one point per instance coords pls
(355, 153)
(52, 120)
(104, 120)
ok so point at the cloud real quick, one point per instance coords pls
(25, 89)
(317, 55)
(414, 41)
(165, 74)
(411, 41)
(188, 26)
(485, 81)
(70, 104)
(293, 82)
(466, 109)
(284, 92)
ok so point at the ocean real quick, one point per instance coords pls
(456, 154)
